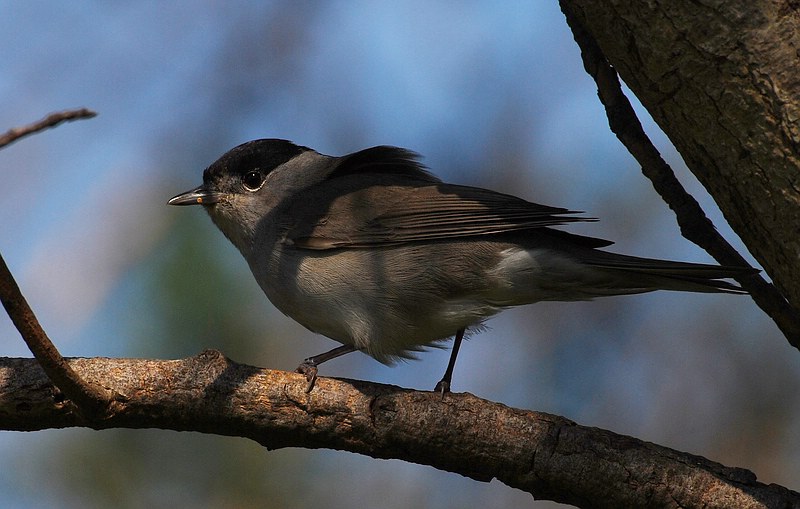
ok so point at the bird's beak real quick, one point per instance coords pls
(197, 196)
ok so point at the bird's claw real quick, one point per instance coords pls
(443, 387)
(309, 369)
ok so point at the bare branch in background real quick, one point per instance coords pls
(49, 121)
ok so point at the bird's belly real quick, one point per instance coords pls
(358, 298)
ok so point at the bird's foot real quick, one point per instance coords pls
(443, 387)
(308, 368)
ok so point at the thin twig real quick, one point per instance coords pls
(694, 224)
(49, 121)
(90, 400)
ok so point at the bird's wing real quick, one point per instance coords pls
(379, 215)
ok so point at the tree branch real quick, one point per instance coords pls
(49, 121)
(694, 224)
(545, 455)
(88, 399)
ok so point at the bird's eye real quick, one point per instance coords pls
(252, 180)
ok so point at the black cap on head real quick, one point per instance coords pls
(266, 155)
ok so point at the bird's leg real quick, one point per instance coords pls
(444, 384)
(309, 366)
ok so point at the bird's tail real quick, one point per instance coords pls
(645, 274)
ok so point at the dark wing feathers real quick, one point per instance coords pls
(391, 214)
(467, 212)
(385, 196)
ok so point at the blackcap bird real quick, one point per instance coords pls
(375, 252)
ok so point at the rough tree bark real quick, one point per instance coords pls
(548, 456)
(722, 79)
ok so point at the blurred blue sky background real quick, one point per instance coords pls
(492, 94)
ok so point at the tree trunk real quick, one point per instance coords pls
(722, 79)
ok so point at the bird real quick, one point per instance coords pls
(374, 251)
